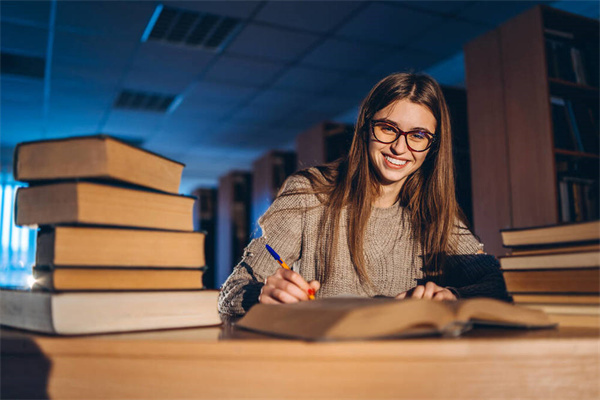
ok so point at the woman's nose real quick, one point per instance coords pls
(400, 146)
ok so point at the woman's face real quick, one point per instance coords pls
(394, 162)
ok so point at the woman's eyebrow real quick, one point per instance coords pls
(416, 128)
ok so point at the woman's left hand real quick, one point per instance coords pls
(428, 291)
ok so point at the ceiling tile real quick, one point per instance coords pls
(311, 16)
(438, 7)
(218, 93)
(84, 76)
(237, 9)
(92, 50)
(37, 12)
(121, 20)
(25, 92)
(132, 123)
(242, 71)
(342, 55)
(23, 39)
(384, 23)
(271, 43)
(309, 80)
(449, 37)
(405, 60)
(495, 12)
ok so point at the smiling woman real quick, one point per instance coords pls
(382, 221)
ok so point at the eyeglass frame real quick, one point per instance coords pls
(431, 136)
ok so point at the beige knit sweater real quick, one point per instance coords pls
(291, 226)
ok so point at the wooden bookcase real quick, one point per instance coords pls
(268, 174)
(233, 221)
(516, 168)
(323, 143)
(205, 220)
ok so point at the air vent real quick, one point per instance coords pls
(132, 100)
(187, 28)
(16, 64)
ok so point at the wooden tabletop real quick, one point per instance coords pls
(222, 362)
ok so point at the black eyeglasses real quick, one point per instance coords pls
(385, 131)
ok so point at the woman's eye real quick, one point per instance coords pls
(389, 129)
(418, 135)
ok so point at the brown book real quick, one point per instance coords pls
(552, 234)
(66, 279)
(94, 203)
(557, 298)
(576, 280)
(367, 318)
(576, 320)
(555, 249)
(80, 246)
(76, 313)
(553, 260)
(575, 309)
(98, 157)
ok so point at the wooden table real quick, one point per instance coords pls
(218, 363)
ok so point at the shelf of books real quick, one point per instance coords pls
(534, 123)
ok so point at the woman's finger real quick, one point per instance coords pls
(283, 296)
(401, 296)
(295, 278)
(292, 289)
(418, 292)
(430, 289)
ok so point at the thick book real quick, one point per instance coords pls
(80, 246)
(79, 313)
(69, 279)
(552, 234)
(369, 318)
(98, 157)
(557, 299)
(552, 260)
(565, 280)
(100, 204)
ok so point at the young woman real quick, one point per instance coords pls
(383, 221)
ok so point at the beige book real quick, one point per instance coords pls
(79, 246)
(367, 318)
(76, 313)
(101, 204)
(98, 157)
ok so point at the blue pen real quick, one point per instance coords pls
(311, 291)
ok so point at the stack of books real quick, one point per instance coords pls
(556, 269)
(116, 249)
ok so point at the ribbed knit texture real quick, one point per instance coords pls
(291, 226)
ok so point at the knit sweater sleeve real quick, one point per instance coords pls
(469, 274)
(282, 227)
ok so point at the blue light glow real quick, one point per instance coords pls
(151, 23)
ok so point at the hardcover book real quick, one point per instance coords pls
(80, 313)
(99, 157)
(370, 318)
(94, 203)
(119, 247)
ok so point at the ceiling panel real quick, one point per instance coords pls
(21, 91)
(493, 13)
(132, 123)
(242, 71)
(237, 9)
(22, 39)
(120, 20)
(36, 12)
(437, 7)
(388, 24)
(93, 50)
(84, 76)
(449, 37)
(308, 80)
(218, 93)
(311, 16)
(405, 60)
(341, 55)
(271, 43)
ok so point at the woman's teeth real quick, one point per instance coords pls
(394, 161)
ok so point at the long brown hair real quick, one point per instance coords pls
(352, 183)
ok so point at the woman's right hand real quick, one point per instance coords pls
(286, 286)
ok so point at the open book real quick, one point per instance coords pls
(366, 318)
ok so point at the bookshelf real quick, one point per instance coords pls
(525, 158)
(233, 217)
(205, 220)
(268, 174)
(323, 143)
